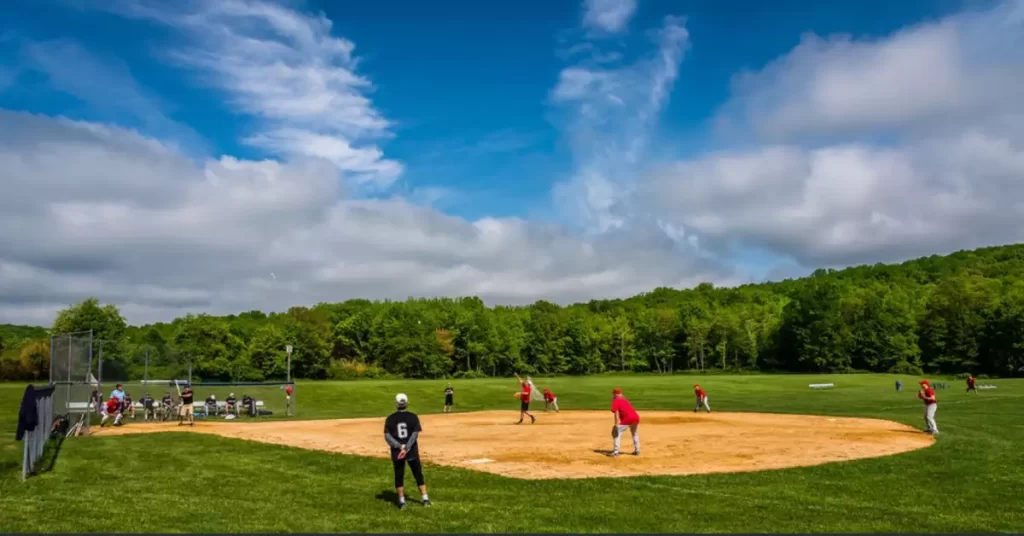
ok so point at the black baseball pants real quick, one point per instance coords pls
(417, 471)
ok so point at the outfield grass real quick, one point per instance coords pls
(970, 480)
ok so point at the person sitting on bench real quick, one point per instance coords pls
(211, 405)
(231, 405)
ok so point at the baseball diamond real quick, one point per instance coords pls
(675, 442)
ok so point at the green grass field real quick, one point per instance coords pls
(970, 480)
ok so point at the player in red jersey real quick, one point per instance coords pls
(524, 401)
(927, 395)
(626, 418)
(972, 385)
(702, 398)
(288, 390)
(111, 408)
(550, 400)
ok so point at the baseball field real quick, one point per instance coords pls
(773, 456)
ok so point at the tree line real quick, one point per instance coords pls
(951, 314)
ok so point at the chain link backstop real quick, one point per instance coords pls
(71, 373)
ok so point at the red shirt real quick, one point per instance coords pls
(929, 393)
(700, 392)
(970, 381)
(549, 396)
(288, 390)
(113, 405)
(526, 391)
(627, 415)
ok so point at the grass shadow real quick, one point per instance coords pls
(388, 496)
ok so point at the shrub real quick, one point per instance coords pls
(906, 368)
(468, 375)
(344, 369)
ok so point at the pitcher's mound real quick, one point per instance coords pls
(573, 444)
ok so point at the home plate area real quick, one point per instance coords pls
(573, 444)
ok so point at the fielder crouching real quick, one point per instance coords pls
(401, 429)
(702, 398)
(111, 409)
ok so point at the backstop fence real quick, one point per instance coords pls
(71, 374)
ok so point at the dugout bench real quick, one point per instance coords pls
(197, 407)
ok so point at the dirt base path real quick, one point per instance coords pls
(571, 444)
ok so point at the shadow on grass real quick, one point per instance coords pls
(388, 496)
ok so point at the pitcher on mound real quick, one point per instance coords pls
(626, 418)
(524, 400)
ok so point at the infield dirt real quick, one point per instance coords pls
(572, 444)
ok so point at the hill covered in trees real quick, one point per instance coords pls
(942, 314)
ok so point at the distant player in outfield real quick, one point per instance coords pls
(449, 398)
(288, 399)
(148, 407)
(702, 398)
(550, 400)
(401, 430)
(187, 411)
(927, 395)
(524, 401)
(111, 409)
(972, 385)
(626, 418)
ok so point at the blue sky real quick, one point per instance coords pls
(469, 109)
(460, 76)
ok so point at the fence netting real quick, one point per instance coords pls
(71, 373)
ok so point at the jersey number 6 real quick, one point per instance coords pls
(403, 430)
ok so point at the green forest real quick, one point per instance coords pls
(954, 314)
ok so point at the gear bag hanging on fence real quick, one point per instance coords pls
(28, 415)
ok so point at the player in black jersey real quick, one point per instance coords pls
(128, 406)
(148, 407)
(449, 398)
(401, 429)
(187, 411)
(166, 406)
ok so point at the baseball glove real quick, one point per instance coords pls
(615, 431)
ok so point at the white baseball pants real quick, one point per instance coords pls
(633, 430)
(929, 418)
(702, 402)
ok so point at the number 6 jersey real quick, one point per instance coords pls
(401, 426)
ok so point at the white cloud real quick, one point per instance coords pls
(608, 115)
(948, 176)
(288, 70)
(100, 211)
(928, 75)
(610, 16)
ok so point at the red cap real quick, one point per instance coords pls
(696, 385)
(616, 391)
(924, 382)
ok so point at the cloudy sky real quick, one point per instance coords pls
(220, 156)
